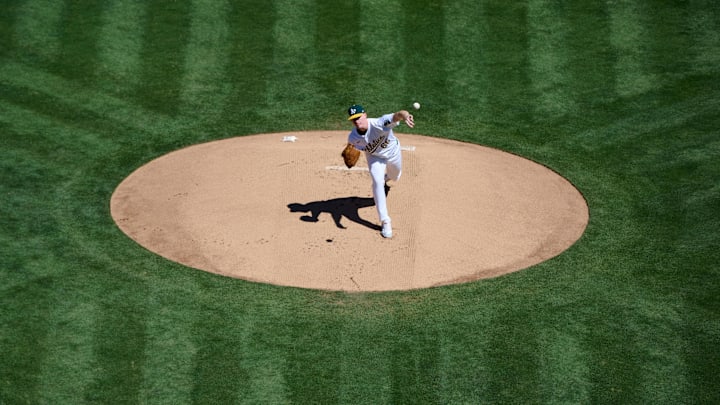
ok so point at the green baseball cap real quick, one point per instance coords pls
(355, 111)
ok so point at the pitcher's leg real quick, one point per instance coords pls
(377, 172)
(394, 167)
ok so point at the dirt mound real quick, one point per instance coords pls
(280, 208)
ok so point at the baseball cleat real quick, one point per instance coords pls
(386, 230)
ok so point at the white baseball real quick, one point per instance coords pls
(416, 105)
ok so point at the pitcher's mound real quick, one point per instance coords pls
(281, 209)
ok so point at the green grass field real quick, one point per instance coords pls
(620, 97)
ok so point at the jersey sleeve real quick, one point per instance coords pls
(387, 123)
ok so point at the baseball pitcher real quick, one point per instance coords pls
(375, 137)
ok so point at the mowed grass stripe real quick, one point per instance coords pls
(313, 359)
(264, 350)
(548, 58)
(414, 365)
(120, 42)
(466, 66)
(564, 363)
(628, 35)
(79, 27)
(467, 338)
(171, 346)
(68, 368)
(291, 83)
(37, 31)
(508, 66)
(512, 356)
(217, 374)
(380, 83)
(366, 369)
(119, 339)
(669, 40)
(25, 318)
(591, 58)
(204, 86)
(163, 53)
(338, 48)
(267, 382)
(662, 363)
(11, 10)
(703, 22)
(251, 36)
(424, 42)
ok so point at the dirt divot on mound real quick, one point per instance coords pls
(280, 208)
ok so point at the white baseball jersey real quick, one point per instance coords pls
(379, 139)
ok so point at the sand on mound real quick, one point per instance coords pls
(280, 208)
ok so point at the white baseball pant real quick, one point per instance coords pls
(382, 170)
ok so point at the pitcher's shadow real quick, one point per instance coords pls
(338, 208)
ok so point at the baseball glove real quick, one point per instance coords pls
(350, 155)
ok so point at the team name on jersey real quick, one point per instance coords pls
(381, 142)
